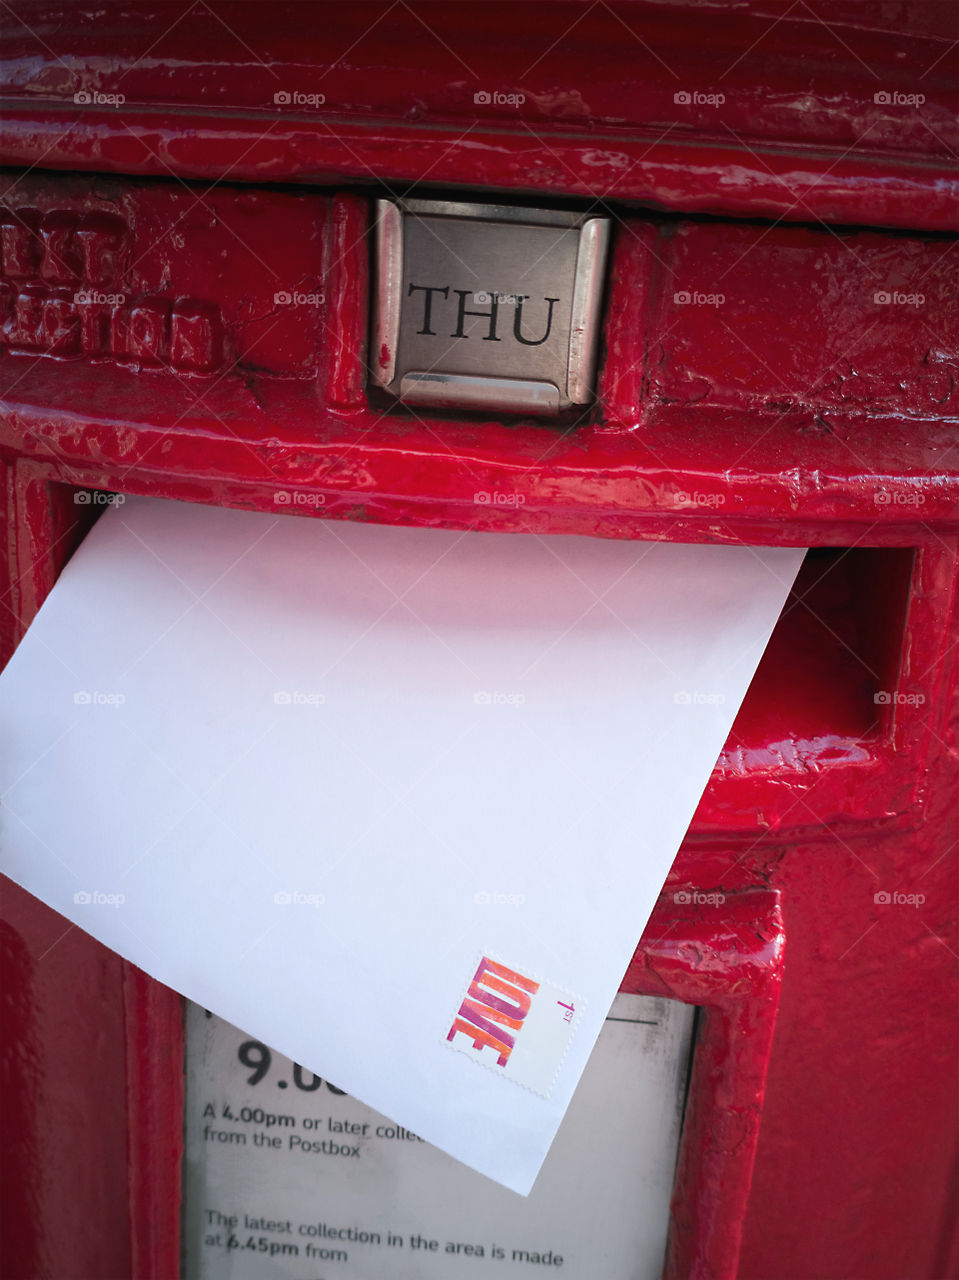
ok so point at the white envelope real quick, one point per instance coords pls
(398, 802)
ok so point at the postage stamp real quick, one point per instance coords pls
(516, 1025)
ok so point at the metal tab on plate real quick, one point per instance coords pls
(487, 306)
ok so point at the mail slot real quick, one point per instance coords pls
(641, 273)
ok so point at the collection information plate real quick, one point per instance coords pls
(286, 1176)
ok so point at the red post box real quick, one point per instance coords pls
(187, 302)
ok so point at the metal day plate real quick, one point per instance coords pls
(487, 306)
(287, 1177)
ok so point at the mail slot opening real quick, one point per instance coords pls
(831, 676)
(833, 682)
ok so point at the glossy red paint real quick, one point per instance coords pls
(587, 101)
(800, 409)
(723, 953)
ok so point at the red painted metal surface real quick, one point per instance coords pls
(64, 1170)
(607, 100)
(765, 382)
(723, 953)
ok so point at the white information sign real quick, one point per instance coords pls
(288, 1177)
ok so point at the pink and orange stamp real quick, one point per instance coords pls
(515, 1024)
